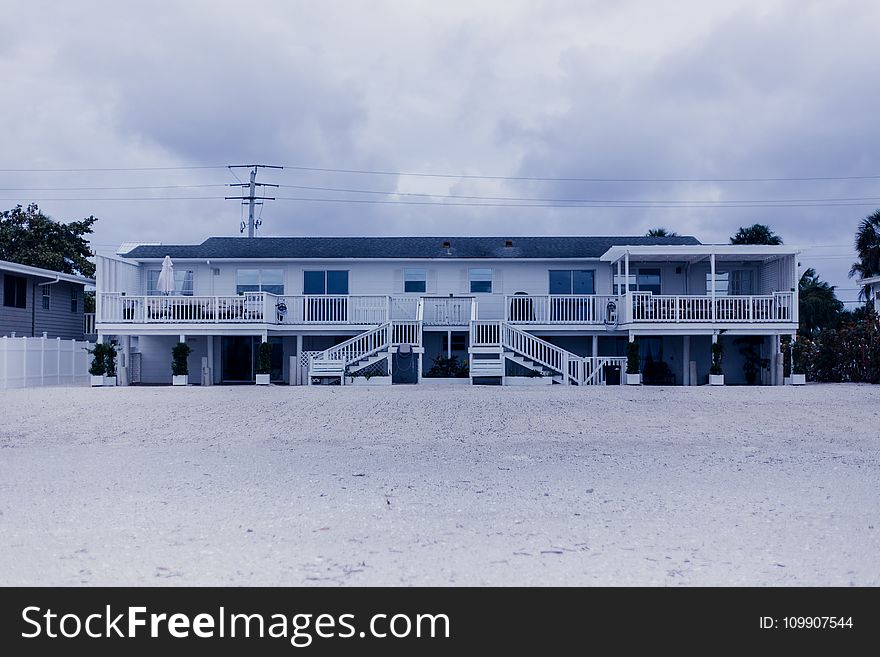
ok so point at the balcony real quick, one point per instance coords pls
(648, 308)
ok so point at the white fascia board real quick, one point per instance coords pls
(14, 267)
(615, 253)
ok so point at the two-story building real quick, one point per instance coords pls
(36, 301)
(559, 307)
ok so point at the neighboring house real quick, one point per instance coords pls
(34, 301)
(871, 286)
(562, 307)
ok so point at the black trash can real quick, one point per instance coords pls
(612, 375)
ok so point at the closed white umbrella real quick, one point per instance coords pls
(165, 284)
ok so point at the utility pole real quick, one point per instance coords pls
(252, 198)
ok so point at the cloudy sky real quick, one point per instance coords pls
(628, 94)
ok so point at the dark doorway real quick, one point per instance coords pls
(237, 354)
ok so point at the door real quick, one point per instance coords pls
(237, 356)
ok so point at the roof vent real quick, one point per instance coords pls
(508, 244)
(447, 244)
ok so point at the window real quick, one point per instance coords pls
(259, 280)
(459, 342)
(183, 282)
(572, 281)
(415, 280)
(648, 280)
(14, 291)
(480, 280)
(46, 296)
(74, 300)
(325, 282)
(619, 285)
(730, 283)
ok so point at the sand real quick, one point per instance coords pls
(453, 486)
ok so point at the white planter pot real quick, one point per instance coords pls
(97, 381)
(445, 381)
(179, 379)
(716, 379)
(364, 381)
(109, 381)
(633, 379)
(786, 381)
(798, 379)
(263, 379)
(528, 381)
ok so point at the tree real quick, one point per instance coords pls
(661, 232)
(756, 234)
(29, 237)
(867, 248)
(819, 307)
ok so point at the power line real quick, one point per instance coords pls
(93, 169)
(574, 200)
(252, 198)
(74, 189)
(574, 179)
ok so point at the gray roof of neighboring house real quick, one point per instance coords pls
(28, 270)
(398, 247)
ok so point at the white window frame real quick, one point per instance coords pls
(472, 279)
(47, 297)
(260, 283)
(421, 276)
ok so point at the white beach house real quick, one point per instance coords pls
(561, 309)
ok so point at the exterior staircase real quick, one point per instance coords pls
(494, 342)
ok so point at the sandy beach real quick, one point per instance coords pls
(430, 486)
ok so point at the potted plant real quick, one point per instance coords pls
(179, 366)
(798, 378)
(110, 364)
(633, 376)
(98, 368)
(716, 374)
(264, 364)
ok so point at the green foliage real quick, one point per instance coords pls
(850, 352)
(444, 367)
(717, 357)
(632, 357)
(819, 307)
(756, 234)
(867, 247)
(797, 355)
(103, 359)
(786, 356)
(264, 358)
(661, 232)
(29, 237)
(752, 362)
(179, 354)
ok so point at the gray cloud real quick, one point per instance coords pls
(634, 89)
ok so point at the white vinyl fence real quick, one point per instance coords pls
(32, 362)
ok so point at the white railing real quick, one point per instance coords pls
(404, 308)
(358, 347)
(561, 309)
(88, 323)
(648, 307)
(590, 370)
(116, 308)
(535, 349)
(406, 333)
(447, 311)
(485, 333)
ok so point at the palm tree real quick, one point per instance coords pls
(867, 248)
(756, 234)
(661, 232)
(819, 307)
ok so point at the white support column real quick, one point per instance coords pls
(210, 378)
(626, 273)
(125, 370)
(449, 344)
(595, 348)
(686, 361)
(712, 276)
(299, 344)
(264, 336)
(182, 337)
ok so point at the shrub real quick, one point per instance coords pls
(179, 353)
(445, 367)
(632, 357)
(98, 366)
(264, 358)
(717, 357)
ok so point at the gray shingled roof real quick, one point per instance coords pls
(398, 247)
